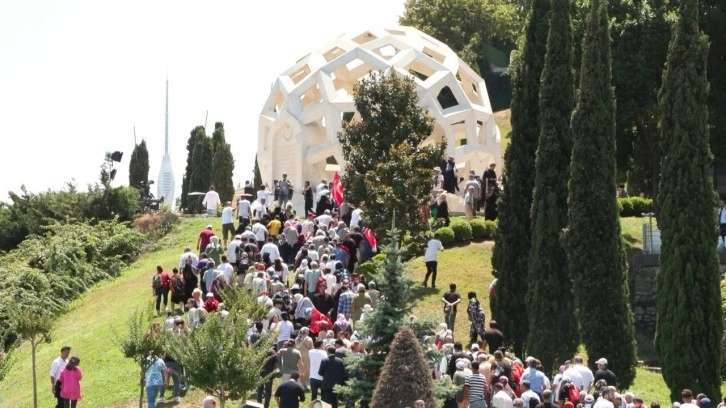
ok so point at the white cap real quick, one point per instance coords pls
(602, 361)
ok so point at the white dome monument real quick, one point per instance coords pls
(308, 103)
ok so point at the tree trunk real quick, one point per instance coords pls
(35, 379)
(141, 396)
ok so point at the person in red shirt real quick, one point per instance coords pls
(161, 283)
(211, 304)
(204, 238)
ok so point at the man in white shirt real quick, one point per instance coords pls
(431, 259)
(260, 233)
(226, 269)
(259, 208)
(270, 248)
(573, 375)
(322, 186)
(186, 255)
(55, 369)
(501, 399)
(355, 217)
(232, 249)
(604, 401)
(244, 212)
(585, 374)
(211, 201)
(308, 226)
(528, 395)
(324, 219)
(227, 222)
(317, 355)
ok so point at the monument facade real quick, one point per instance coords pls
(308, 103)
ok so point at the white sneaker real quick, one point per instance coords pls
(177, 399)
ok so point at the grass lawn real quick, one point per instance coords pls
(502, 119)
(111, 381)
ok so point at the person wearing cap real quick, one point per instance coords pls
(603, 373)
(474, 349)
(211, 201)
(588, 401)
(56, 366)
(361, 300)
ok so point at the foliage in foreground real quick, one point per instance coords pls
(595, 249)
(405, 376)
(388, 170)
(689, 326)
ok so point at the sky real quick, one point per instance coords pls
(77, 76)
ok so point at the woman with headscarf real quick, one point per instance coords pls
(304, 343)
(440, 335)
(213, 250)
(476, 317)
(303, 310)
(341, 325)
(443, 209)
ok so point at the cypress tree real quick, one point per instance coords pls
(689, 325)
(550, 307)
(511, 250)
(223, 169)
(201, 176)
(196, 134)
(256, 175)
(596, 255)
(406, 376)
(222, 164)
(139, 165)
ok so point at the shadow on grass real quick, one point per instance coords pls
(419, 292)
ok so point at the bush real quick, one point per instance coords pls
(369, 268)
(634, 206)
(462, 230)
(446, 235)
(483, 229)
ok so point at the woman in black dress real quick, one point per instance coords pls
(191, 281)
(308, 193)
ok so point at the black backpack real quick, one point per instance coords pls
(178, 285)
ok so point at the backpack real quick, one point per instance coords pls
(573, 394)
(178, 285)
(156, 281)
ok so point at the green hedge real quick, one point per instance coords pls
(634, 206)
(483, 229)
(446, 235)
(462, 230)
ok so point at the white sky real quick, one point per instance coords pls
(77, 76)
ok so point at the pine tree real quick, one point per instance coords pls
(201, 176)
(406, 376)
(222, 164)
(550, 306)
(689, 325)
(596, 255)
(139, 165)
(385, 322)
(511, 250)
(196, 134)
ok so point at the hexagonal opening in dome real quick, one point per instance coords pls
(435, 55)
(301, 73)
(420, 70)
(387, 51)
(364, 38)
(333, 53)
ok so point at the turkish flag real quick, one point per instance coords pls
(371, 237)
(337, 189)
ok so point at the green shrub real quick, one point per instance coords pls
(626, 207)
(482, 229)
(634, 206)
(446, 235)
(462, 231)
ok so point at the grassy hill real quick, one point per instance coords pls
(111, 381)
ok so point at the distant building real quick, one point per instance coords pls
(165, 182)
